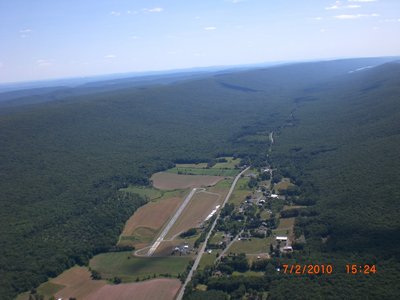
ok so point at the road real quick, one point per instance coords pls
(203, 247)
(171, 223)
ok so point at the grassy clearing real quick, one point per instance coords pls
(223, 184)
(230, 164)
(128, 267)
(208, 259)
(191, 166)
(253, 246)
(145, 192)
(217, 237)
(240, 192)
(286, 223)
(48, 288)
(287, 207)
(153, 194)
(210, 172)
(284, 184)
(265, 215)
(248, 273)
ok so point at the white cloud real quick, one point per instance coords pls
(115, 13)
(209, 28)
(153, 10)
(110, 56)
(44, 62)
(235, 1)
(355, 16)
(317, 18)
(362, 0)
(1, 64)
(27, 30)
(332, 7)
(390, 20)
(340, 5)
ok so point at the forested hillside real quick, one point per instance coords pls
(344, 151)
(62, 162)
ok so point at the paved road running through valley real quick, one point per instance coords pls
(203, 247)
(171, 223)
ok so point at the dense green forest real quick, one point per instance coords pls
(63, 161)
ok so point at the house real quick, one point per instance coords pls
(281, 238)
(287, 249)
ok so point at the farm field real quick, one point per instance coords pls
(74, 282)
(199, 207)
(162, 288)
(143, 225)
(129, 268)
(77, 283)
(171, 181)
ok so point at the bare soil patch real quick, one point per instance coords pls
(147, 290)
(171, 181)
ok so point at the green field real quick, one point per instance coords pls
(217, 237)
(146, 192)
(198, 171)
(153, 194)
(191, 166)
(240, 192)
(253, 246)
(230, 164)
(223, 184)
(128, 267)
(208, 259)
(248, 273)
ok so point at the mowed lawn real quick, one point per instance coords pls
(208, 259)
(253, 246)
(240, 192)
(128, 267)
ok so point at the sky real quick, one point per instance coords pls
(49, 39)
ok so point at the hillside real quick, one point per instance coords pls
(63, 161)
(344, 152)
